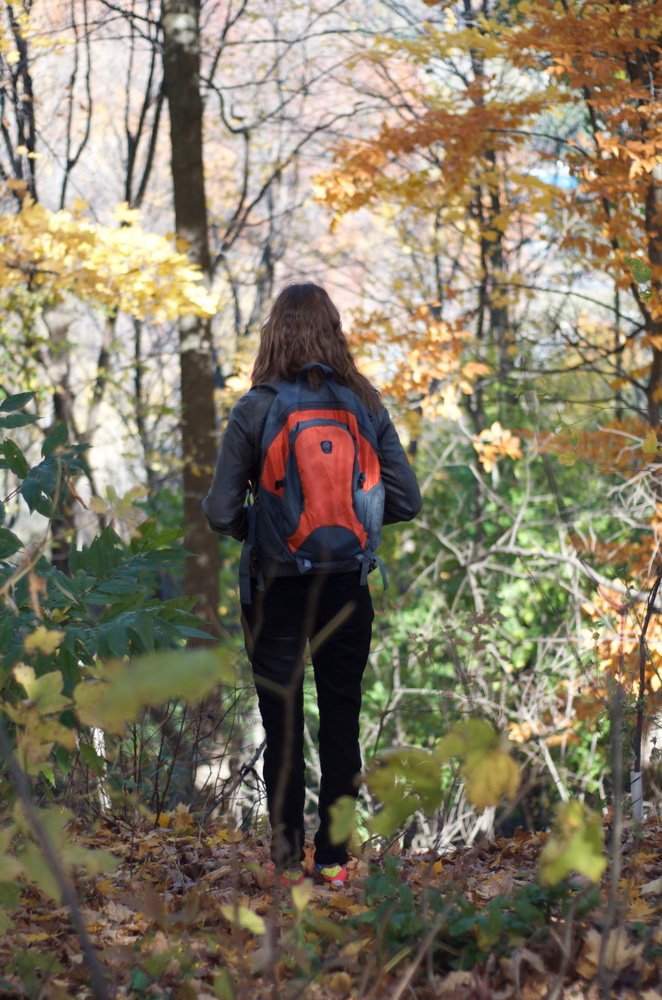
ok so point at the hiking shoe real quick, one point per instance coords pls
(288, 876)
(334, 874)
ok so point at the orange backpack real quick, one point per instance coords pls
(320, 502)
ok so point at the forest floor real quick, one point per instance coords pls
(190, 913)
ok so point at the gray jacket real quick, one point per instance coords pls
(238, 467)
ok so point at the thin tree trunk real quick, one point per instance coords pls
(182, 86)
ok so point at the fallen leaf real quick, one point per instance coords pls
(340, 984)
(654, 886)
(301, 894)
(244, 917)
(639, 910)
(619, 953)
(454, 986)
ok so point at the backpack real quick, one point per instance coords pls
(320, 502)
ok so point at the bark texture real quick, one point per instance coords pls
(180, 19)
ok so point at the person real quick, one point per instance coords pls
(286, 608)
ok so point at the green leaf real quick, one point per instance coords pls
(119, 585)
(393, 815)
(467, 737)
(9, 543)
(14, 458)
(10, 896)
(118, 638)
(31, 492)
(343, 819)
(92, 758)
(143, 627)
(64, 760)
(44, 506)
(640, 272)
(140, 980)
(576, 844)
(39, 871)
(223, 985)
(18, 420)
(16, 402)
(47, 475)
(163, 539)
(58, 438)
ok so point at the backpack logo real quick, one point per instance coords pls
(321, 499)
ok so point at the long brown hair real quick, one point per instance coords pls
(304, 326)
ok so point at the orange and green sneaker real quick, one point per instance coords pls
(288, 876)
(333, 874)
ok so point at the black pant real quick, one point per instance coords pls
(334, 612)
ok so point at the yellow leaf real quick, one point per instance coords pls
(25, 676)
(339, 983)
(490, 777)
(618, 954)
(125, 214)
(150, 680)
(244, 917)
(10, 868)
(43, 640)
(650, 444)
(567, 458)
(488, 768)
(639, 909)
(301, 894)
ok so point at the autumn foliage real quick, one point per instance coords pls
(480, 187)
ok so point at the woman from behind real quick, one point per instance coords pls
(304, 367)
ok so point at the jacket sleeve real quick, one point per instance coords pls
(224, 505)
(403, 498)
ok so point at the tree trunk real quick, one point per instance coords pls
(180, 19)
(654, 323)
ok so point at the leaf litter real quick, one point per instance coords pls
(192, 913)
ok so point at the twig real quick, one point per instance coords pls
(244, 770)
(605, 978)
(68, 896)
(650, 610)
(34, 554)
(566, 943)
